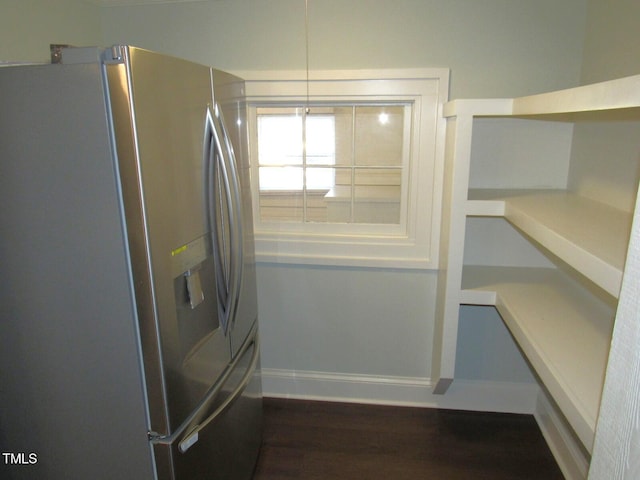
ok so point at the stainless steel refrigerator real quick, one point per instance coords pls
(128, 332)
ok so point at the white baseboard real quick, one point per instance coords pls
(503, 397)
(572, 459)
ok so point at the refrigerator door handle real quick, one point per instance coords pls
(237, 250)
(192, 423)
(220, 172)
(192, 436)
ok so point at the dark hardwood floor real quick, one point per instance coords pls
(336, 441)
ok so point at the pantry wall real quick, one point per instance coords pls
(367, 334)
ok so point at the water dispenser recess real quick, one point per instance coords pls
(194, 287)
(196, 306)
(195, 290)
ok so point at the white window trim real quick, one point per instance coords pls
(385, 246)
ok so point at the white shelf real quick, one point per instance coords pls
(560, 319)
(613, 95)
(488, 107)
(615, 98)
(589, 236)
(484, 202)
(562, 329)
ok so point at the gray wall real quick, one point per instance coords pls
(494, 47)
(605, 161)
(612, 40)
(358, 321)
(27, 27)
(346, 320)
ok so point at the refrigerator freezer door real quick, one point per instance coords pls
(224, 440)
(159, 112)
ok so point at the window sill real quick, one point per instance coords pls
(353, 251)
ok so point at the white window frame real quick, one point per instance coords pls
(411, 244)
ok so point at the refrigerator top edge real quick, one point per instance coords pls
(117, 53)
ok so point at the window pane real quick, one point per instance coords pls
(344, 176)
(378, 176)
(377, 204)
(379, 133)
(280, 139)
(339, 202)
(285, 206)
(344, 135)
(280, 178)
(350, 172)
(320, 178)
(316, 206)
(320, 139)
(364, 204)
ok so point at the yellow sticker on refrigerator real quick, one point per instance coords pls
(179, 250)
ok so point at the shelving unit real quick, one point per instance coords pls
(590, 236)
(561, 317)
(562, 329)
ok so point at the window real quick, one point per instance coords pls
(347, 168)
(335, 164)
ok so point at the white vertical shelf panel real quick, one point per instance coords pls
(617, 442)
(456, 181)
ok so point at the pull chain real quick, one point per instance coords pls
(306, 41)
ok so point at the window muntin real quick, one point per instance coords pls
(341, 163)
